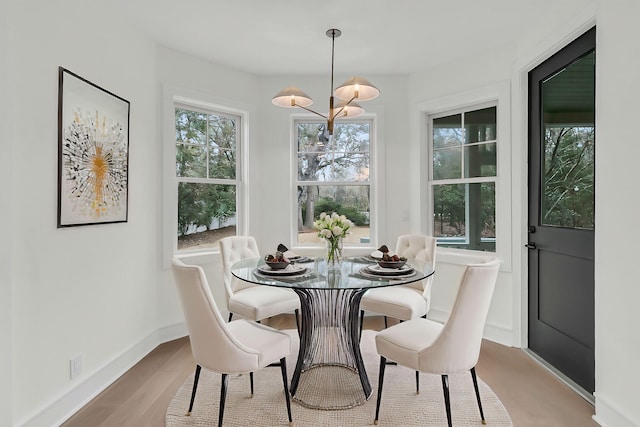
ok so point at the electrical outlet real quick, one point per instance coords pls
(75, 366)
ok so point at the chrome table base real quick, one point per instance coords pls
(330, 372)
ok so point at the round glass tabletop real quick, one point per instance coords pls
(354, 273)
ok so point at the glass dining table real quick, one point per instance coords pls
(330, 372)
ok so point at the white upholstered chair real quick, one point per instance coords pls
(427, 346)
(407, 301)
(237, 347)
(250, 301)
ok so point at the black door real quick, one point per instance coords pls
(561, 210)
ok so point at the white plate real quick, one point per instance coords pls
(369, 275)
(376, 254)
(290, 270)
(381, 271)
(364, 272)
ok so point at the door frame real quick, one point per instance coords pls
(520, 156)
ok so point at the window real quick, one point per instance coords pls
(207, 172)
(333, 175)
(463, 179)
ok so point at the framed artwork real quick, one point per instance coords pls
(93, 153)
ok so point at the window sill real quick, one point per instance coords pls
(198, 258)
(462, 256)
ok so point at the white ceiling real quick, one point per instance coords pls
(273, 37)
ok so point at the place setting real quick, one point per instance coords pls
(376, 255)
(279, 265)
(293, 257)
(385, 266)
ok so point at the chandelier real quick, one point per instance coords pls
(355, 88)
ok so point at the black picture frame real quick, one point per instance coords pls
(93, 153)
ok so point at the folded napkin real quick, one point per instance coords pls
(291, 255)
(286, 252)
(378, 253)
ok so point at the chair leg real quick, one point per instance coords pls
(383, 364)
(417, 382)
(283, 368)
(223, 398)
(361, 323)
(193, 390)
(230, 316)
(447, 402)
(475, 386)
(251, 382)
(297, 314)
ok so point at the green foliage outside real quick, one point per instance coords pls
(328, 205)
(200, 204)
(449, 208)
(568, 190)
(206, 149)
(465, 148)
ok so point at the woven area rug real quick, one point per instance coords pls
(400, 406)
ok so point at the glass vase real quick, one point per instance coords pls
(334, 253)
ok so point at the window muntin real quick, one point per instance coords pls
(206, 170)
(464, 172)
(333, 175)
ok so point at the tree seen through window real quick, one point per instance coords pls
(206, 150)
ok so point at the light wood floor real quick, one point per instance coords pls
(532, 396)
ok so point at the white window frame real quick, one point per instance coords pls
(174, 97)
(500, 94)
(461, 180)
(374, 219)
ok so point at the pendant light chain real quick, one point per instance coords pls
(333, 44)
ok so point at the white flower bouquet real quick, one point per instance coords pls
(333, 228)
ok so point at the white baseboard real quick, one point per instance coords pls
(172, 332)
(492, 332)
(438, 315)
(608, 415)
(499, 334)
(63, 407)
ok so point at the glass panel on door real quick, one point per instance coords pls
(569, 134)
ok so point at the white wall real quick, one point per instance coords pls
(84, 290)
(188, 77)
(481, 78)
(617, 207)
(5, 225)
